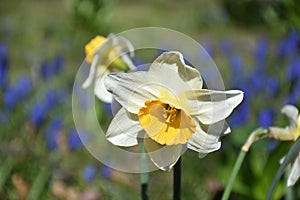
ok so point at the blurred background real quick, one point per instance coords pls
(255, 44)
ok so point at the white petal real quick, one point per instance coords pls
(218, 129)
(131, 90)
(203, 143)
(295, 172)
(283, 134)
(164, 157)
(122, 46)
(227, 130)
(92, 72)
(122, 43)
(115, 107)
(174, 60)
(169, 79)
(100, 90)
(212, 106)
(128, 61)
(123, 129)
(292, 113)
(282, 160)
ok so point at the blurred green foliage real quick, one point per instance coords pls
(280, 15)
(93, 16)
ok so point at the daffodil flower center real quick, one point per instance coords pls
(166, 124)
(170, 114)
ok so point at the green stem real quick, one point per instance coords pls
(5, 171)
(289, 195)
(144, 174)
(234, 173)
(39, 184)
(256, 135)
(177, 180)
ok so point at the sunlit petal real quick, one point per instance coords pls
(203, 143)
(164, 157)
(123, 129)
(218, 129)
(92, 73)
(295, 172)
(283, 134)
(292, 113)
(212, 106)
(131, 90)
(174, 60)
(100, 90)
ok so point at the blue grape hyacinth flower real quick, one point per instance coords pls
(58, 63)
(23, 87)
(226, 47)
(3, 65)
(236, 64)
(52, 132)
(50, 99)
(260, 52)
(74, 141)
(47, 70)
(293, 97)
(89, 172)
(38, 114)
(271, 86)
(241, 116)
(10, 98)
(293, 70)
(266, 117)
(288, 46)
(106, 172)
(17, 92)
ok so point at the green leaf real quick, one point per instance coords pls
(234, 173)
(39, 183)
(5, 171)
(291, 155)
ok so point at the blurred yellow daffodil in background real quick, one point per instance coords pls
(107, 55)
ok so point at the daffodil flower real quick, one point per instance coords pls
(169, 105)
(290, 133)
(103, 56)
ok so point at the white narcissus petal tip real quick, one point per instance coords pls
(130, 90)
(164, 157)
(174, 61)
(211, 106)
(92, 73)
(123, 129)
(100, 90)
(203, 143)
(295, 172)
(292, 113)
